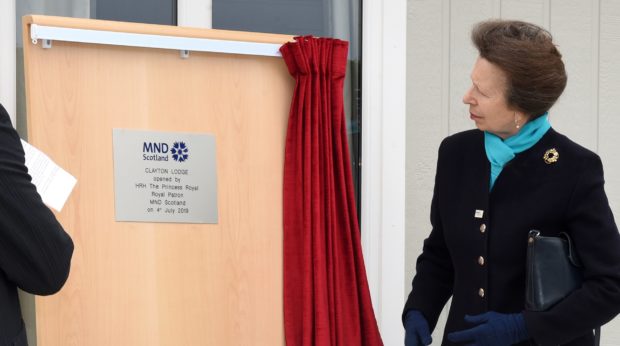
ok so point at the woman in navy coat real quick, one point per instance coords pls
(494, 184)
(35, 251)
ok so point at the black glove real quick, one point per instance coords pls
(417, 332)
(492, 329)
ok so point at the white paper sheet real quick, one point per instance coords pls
(53, 183)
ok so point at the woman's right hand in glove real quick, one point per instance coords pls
(417, 332)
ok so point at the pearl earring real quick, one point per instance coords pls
(517, 122)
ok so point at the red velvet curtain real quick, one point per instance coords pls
(326, 296)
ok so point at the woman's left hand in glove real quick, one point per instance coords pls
(492, 329)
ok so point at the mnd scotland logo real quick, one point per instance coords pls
(159, 151)
(179, 151)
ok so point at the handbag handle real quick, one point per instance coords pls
(534, 235)
(572, 254)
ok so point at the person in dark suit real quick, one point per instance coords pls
(35, 251)
(496, 183)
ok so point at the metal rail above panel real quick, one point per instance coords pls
(183, 44)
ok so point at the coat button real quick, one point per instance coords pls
(483, 228)
(481, 292)
(481, 260)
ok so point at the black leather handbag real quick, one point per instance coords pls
(553, 272)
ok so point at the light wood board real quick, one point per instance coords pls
(156, 283)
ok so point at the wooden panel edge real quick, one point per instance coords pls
(154, 29)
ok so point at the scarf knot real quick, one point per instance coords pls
(500, 152)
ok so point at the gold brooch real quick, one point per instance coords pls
(551, 156)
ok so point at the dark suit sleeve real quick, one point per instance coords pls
(35, 251)
(432, 284)
(593, 229)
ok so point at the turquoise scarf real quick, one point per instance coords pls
(500, 152)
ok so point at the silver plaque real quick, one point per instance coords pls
(164, 176)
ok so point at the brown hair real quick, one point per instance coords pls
(532, 63)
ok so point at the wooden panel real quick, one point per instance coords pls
(152, 29)
(574, 24)
(153, 283)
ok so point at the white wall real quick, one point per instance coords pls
(439, 59)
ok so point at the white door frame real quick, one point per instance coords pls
(384, 28)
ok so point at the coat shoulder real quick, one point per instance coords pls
(462, 141)
(570, 149)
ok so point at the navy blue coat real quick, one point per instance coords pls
(480, 261)
(35, 251)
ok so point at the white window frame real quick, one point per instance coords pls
(195, 13)
(8, 61)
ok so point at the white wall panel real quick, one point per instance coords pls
(573, 25)
(609, 100)
(609, 122)
(463, 15)
(532, 11)
(428, 77)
